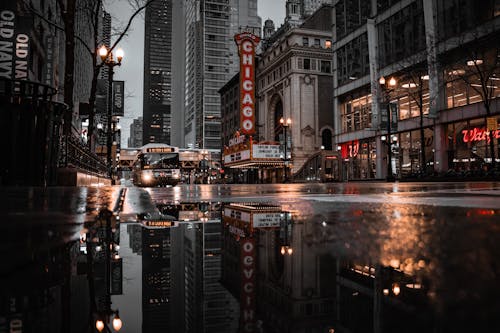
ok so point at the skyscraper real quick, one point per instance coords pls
(101, 102)
(211, 60)
(136, 128)
(157, 72)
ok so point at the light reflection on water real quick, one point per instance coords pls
(352, 265)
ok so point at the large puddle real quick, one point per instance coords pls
(329, 263)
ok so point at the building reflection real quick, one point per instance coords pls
(44, 275)
(262, 267)
(181, 251)
(283, 297)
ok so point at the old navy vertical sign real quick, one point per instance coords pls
(246, 45)
(14, 42)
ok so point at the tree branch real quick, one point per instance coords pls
(131, 19)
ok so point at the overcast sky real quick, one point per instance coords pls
(132, 69)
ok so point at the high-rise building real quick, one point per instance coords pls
(101, 101)
(157, 72)
(178, 65)
(136, 128)
(211, 60)
(310, 6)
(412, 81)
(156, 280)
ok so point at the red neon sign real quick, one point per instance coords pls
(247, 293)
(247, 43)
(350, 149)
(479, 134)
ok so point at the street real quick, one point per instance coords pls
(375, 255)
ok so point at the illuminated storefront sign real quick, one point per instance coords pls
(238, 139)
(266, 151)
(350, 149)
(267, 220)
(237, 157)
(237, 214)
(247, 43)
(158, 224)
(247, 293)
(479, 134)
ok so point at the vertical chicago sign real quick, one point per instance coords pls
(247, 43)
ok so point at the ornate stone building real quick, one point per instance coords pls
(294, 78)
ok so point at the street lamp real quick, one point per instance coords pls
(286, 248)
(285, 124)
(103, 315)
(388, 87)
(107, 59)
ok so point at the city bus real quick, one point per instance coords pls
(156, 165)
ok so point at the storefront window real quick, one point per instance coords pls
(469, 145)
(357, 114)
(472, 80)
(412, 96)
(359, 159)
(410, 152)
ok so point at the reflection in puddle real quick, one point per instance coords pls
(301, 266)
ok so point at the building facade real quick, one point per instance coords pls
(101, 99)
(157, 72)
(136, 128)
(293, 76)
(211, 60)
(440, 112)
(230, 109)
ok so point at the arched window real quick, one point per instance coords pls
(326, 139)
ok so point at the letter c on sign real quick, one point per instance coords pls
(247, 46)
(247, 85)
(248, 287)
(247, 260)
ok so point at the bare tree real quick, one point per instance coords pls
(477, 63)
(138, 6)
(92, 11)
(481, 74)
(415, 85)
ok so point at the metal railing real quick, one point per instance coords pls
(75, 154)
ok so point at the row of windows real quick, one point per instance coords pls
(316, 42)
(352, 60)
(462, 88)
(323, 66)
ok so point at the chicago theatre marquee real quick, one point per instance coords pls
(242, 152)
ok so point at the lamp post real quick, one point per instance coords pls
(107, 59)
(388, 87)
(285, 124)
(286, 248)
(105, 314)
